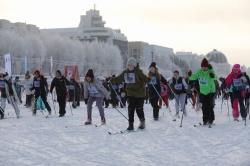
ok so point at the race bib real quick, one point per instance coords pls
(114, 86)
(178, 86)
(71, 87)
(93, 90)
(203, 81)
(129, 78)
(120, 86)
(27, 85)
(237, 82)
(37, 84)
(153, 80)
(2, 84)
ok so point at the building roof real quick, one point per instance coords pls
(216, 56)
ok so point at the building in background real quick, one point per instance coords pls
(91, 28)
(146, 53)
(18, 27)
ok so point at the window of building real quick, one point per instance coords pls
(134, 50)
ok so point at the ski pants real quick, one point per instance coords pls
(165, 100)
(207, 107)
(135, 104)
(44, 98)
(13, 104)
(62, 104)
(154, 104)
(28, 99)
(99, 101)
(237, 98)
(180, 103)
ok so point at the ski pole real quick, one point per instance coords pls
(116, 94)
(228, 110)
(53, 103)
(6, 116)
(163, 101)
(192, 104)
(222, 104)
(121, 113)
(211, 105)
(70, 107)
(182, 116)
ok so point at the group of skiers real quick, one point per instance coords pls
(132, 86)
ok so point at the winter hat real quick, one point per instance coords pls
(153, 64)
(204, 63)
(236, 67)
(2, 71)
(90, 73)
(176, 71)
(132, 61)
(27, 73)
(243, 69)
(37, 72)
(189, 73)
(59, 72)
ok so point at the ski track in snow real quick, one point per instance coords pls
(36, 140)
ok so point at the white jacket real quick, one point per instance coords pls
(95, 89)
(27, 84)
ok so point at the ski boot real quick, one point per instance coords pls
(142, 124)
(130, 126)
(89, 121)
(103, 120)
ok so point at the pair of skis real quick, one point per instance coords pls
(209, 125)
(124, 131)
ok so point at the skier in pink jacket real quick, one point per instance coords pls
(237, 80)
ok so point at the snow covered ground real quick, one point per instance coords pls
(36, 140)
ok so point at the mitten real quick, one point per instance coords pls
(244, 79)
(86, 101)
(148, 79)
(211, 75)
(210, 66)
(226, 90)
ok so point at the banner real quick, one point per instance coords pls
(25, 64)
(51, 67)
(8, 64)
(72, 72)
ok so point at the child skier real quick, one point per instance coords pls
(206, 77)
(60, 82)
(135, 87)
(94, 91)
(40, 87)
(154, 88)
(237, 80)
(7, 93)
(180, 88)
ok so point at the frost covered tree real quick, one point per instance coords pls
(103, 58)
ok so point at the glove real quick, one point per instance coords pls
(244, 79)
(226, 90)
(108, 79)
(210, 66)
(148, 79)
(164, 89)
(211, 75)
(86, 101)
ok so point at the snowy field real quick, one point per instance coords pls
(37, 141)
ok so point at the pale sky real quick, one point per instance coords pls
(197, 26)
